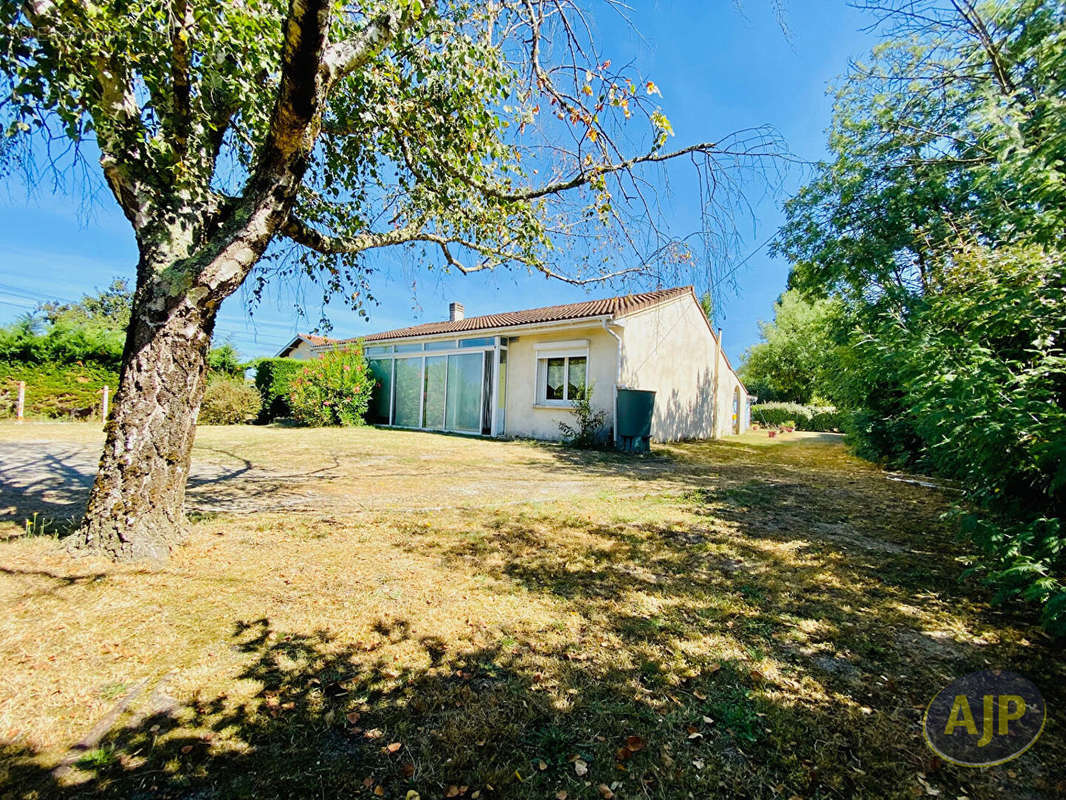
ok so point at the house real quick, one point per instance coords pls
(517, 373)
(301, 346)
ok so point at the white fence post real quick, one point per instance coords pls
(104, 405)
(22, 401)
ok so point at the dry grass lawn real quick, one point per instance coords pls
(369, 613)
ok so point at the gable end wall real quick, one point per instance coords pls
(670, 349)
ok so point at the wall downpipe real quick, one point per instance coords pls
(617, 379)
(715, 418)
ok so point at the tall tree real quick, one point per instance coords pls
(108, 308)
(489, 135)
(949, 131)
(940, 225)
(796, 353)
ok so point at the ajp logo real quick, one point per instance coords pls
(984, 719)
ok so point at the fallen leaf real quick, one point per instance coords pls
(408, 770)
(187, 749)
(412, 795)
(368, 782)
(541, 766)
(699, 696)
(379, 790)
(392, 747)
(452, 791)
(561, 794)
(373, 733)
(634, 744)
(707, 720)
(623, 753)
(581, 768)
(932, 791)
(605, 791)
(353, 717)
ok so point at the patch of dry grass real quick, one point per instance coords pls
(768, 619)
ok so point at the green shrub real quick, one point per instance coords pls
(225, 360)
(273, 379)
(588, 431)
(62, 343)
(334, 389)
(228, 401)
(55, 390)
(802, 418)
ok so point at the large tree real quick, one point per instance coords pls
(796, 353)
(236, 132)
(939, 225)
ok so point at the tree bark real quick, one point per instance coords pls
(136, 508)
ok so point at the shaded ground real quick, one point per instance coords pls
(47, 468)
(743, 618)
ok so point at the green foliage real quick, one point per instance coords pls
(334, 389)
(588, 430)
(273, 379)
(981, 368)
(801, 417)
(950, 353)
(228, 401)
(55, 390)
(225, 360)
(108, 309)
(796, 353)
(62, 343)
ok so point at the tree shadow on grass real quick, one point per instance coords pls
(814, 623)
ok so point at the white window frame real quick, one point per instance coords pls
(577, 348)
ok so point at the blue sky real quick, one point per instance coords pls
(721, 66)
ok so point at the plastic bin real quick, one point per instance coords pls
(633, 412)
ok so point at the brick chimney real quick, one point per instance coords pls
(455, 312)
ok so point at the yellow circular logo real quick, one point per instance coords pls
(984, 719)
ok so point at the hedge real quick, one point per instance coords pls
(273, 379)
(62, 344)
(54, 390)
(807, 418)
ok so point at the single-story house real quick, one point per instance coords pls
(517, 373)
(302, 344)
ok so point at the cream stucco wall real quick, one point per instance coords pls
(302, 351)
(523, 417)
(670, 349)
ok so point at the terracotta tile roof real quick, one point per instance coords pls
(310, 338)
(611, 306)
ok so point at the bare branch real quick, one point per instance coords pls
(303, 234)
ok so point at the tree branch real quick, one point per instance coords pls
(117, 121)
(303, 234)
(582, 177)
(349, 55)
(181, 24)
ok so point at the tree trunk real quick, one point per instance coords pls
(137, 504)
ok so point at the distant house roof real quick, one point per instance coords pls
(311, 339)
(610, 307)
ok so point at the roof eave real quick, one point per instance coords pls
(500, 330)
